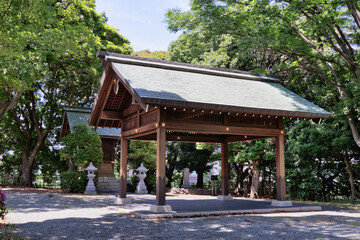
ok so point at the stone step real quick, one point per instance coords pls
(107, 189)
(108, 179)
(108, 184)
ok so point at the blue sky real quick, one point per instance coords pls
(141, 21)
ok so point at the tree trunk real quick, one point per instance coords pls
(169, 175)
(28, 160)
(262, 185)
(354, 193)
(255, 183)
(7, 105)
(238, 169)
(248, 184)
(71, 166)
(354, 130)
(26, 171)
(354, 12)
(200, 180)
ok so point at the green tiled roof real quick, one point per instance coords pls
(80, 116)
(167, 83)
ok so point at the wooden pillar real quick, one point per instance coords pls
(224, 169)
(280, 167)
(123, 167)
(160, 165)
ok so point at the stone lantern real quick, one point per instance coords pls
(90, 187)
(141, 187)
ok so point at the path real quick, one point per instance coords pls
(43, 215)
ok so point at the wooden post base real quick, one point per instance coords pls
(160, 208)
(121, 201)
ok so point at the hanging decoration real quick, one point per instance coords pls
(116, 86)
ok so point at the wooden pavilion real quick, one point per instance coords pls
(169, 101)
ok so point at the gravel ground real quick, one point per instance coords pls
(44, 215)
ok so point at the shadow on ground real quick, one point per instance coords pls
(119, 226)
(57, 216)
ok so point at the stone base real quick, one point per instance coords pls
(90, 189)
(160, 208)
(277, 203)
(225, 197)
(122, 200)
(90, 192)
(141, 192)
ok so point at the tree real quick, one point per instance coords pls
(67, 72)
(317, 36)
(258, 154)
(162, 55)
(29, 17)
(223, 51)
(144, 152)
(81, 147)
(172, 157)
(319, 155)
(28, 32)
(316, 40)
(195, 159)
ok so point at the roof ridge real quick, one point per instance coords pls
(135, 60)
(75, 109)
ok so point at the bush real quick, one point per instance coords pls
(131, 186)
(82, 147)
(74, 182)
(3, 210)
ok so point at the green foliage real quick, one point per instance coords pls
(54, 43)
(74, 182)
(315, 164)
(172, 158)
(162, 55)
(317, 38)
(81, 147)
(28, 32)
(312, 47)
(176, 180)
(48, 162)
(196, 160)
(221, 51)
(131, 187)
(144, 152)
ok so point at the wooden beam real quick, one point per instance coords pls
(178, 126)
(280, 168)
(128, 87)
(281, 123)
(111, 115)
(195, 138)
(224, 169)
(106, 83)
(137, 132)
(240, 138)
(132, 109)
(160, 166)
(123, 167)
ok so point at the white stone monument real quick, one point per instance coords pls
(141, 187)
(186, 180)
(90, 187)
